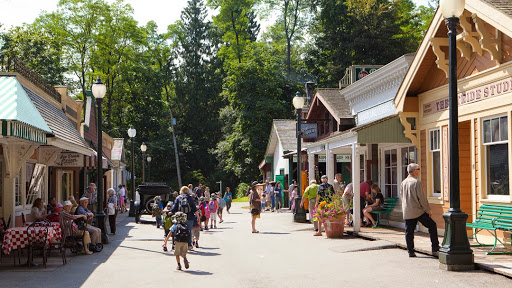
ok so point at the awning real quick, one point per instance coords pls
(294, 153)
(18, 116)
(386, 130)
(91, 161)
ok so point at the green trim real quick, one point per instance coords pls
(23, 131)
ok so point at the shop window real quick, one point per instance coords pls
(408, 157)
(435, 161)
(18, 189)
(66, 185)
(36, 187)
(495, 136)
(361, 168)
(390, 171)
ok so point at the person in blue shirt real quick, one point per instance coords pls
(228, 197)
(278, 194)
(186, 204)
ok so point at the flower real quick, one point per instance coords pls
(335, 209)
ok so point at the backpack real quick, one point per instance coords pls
(181, 234)
(156, 209)
(212, 206)
(184, 205)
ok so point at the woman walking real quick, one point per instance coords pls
(112, 210)
(279, 196)
(255, 201)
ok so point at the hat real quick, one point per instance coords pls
(59, 205)
(179, 217)
(84, 198)
(254, 183)
(55, 210)
(67, 203)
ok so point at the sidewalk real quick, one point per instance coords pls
(500, 264)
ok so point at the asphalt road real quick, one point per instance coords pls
(283, 254)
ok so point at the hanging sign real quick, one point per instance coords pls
(322, 158)
(343, 158)
(70, 160)
(309, 130)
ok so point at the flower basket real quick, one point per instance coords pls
(335, 228)
(333, 215)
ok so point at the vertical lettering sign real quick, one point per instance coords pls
(488, 91)
(446, 175)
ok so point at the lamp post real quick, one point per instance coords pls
(99, 90)
(143, 148)
(149, 168)
(455, 253)
(131, 133)
(300, 212)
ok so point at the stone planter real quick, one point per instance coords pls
(334, 228)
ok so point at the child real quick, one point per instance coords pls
(205, 212)
(196, 230)
(222, 204)
(292, 197)
(157, 211)
(54, 217)
(167, 218)
(213, 206)
(263, 202)
(179, 234)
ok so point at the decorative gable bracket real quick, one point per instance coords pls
(474, 38)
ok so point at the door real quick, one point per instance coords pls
(66, 185)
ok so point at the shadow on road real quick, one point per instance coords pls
(198, 272)
(147, 250)
(275, 233)
(202, 253)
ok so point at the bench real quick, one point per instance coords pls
(389, 205)
(492, 217)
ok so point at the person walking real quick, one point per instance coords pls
(416, 209)
(272, 195)
(121, 194)
(185, 203)
(112, 210)
(278, 193)
(222, 204)
(310, 193)
(325, 193)
(255, 201)
(338, 184)
(228, 197)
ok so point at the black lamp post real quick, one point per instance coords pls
(300, 212)
(149, 168)
(455, 253)
(143, 148)
(131, 133)
(99, 90)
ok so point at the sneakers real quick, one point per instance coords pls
(215, 226)
(211, 227)
(221, 221)
(186, 263)
(179, 267)
(197, 244)
(165, 248)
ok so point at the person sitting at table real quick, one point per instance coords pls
(38, 211)
(73, 202)
(377, 205)
(54, 217)
(94, 231)
(52, 204)
(67, 216)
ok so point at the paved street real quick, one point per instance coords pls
(284, 254)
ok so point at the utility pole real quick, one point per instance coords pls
(173, 123)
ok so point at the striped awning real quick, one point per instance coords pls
(18, 116)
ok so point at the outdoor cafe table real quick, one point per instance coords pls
(17, 237)
(56, 228)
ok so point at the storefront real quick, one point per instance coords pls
(485, 105)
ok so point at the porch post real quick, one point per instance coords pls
(329, 163)
(8, 199)
(355, 188)
(311, 167)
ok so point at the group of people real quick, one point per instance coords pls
(415, 206)
(272, 197)
(190, 213)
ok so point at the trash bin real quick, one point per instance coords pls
(131, 212)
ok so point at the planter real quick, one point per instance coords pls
(334, 228)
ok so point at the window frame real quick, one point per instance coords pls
(431, 152)
(484, 169)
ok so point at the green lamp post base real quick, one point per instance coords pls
(455, 253)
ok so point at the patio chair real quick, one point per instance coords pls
(3, 228)
(37, 234)
(59, 245)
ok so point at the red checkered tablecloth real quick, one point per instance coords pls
(17, 237)
(56, 228)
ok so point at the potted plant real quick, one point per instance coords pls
(333, 214)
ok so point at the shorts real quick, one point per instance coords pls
(180, 249)
(255, 216)
(219, 211)
(213, 216)
(196, 231)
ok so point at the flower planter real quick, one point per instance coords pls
(334, 228)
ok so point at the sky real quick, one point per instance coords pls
(163, 12)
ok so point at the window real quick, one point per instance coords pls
(390, 171)
(36, 186)
(361, 168)
(495, 136)
(435, 161)
(408, 157)
(67, 184)
(18, 189)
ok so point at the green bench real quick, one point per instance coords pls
(389, 205)
(492, 217)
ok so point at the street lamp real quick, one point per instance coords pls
(131, 133)
(455, 253)
(143, 148)
(99, 90)
(149, 168)
(300, 212)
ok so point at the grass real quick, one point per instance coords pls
(243, 199)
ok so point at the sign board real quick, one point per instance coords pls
(322, 158)
(294, 158)
(70, 160)
(481, 93)
(117, 150)
(343, 158)
(361, 72)
(309, 130)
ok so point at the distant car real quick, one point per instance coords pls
(145, 197)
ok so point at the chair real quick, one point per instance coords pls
(74, 242)
(37, 234)
(60, 245)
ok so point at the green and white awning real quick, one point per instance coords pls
(18, 116)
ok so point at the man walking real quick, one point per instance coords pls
(325, 193)
(185, 203)
(310, 193)
(415, 208)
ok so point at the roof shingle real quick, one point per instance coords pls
(334, 101)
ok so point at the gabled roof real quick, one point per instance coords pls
(66, 135)
(284, 131)
(15, 105)
(497, 13)
(333, 101)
